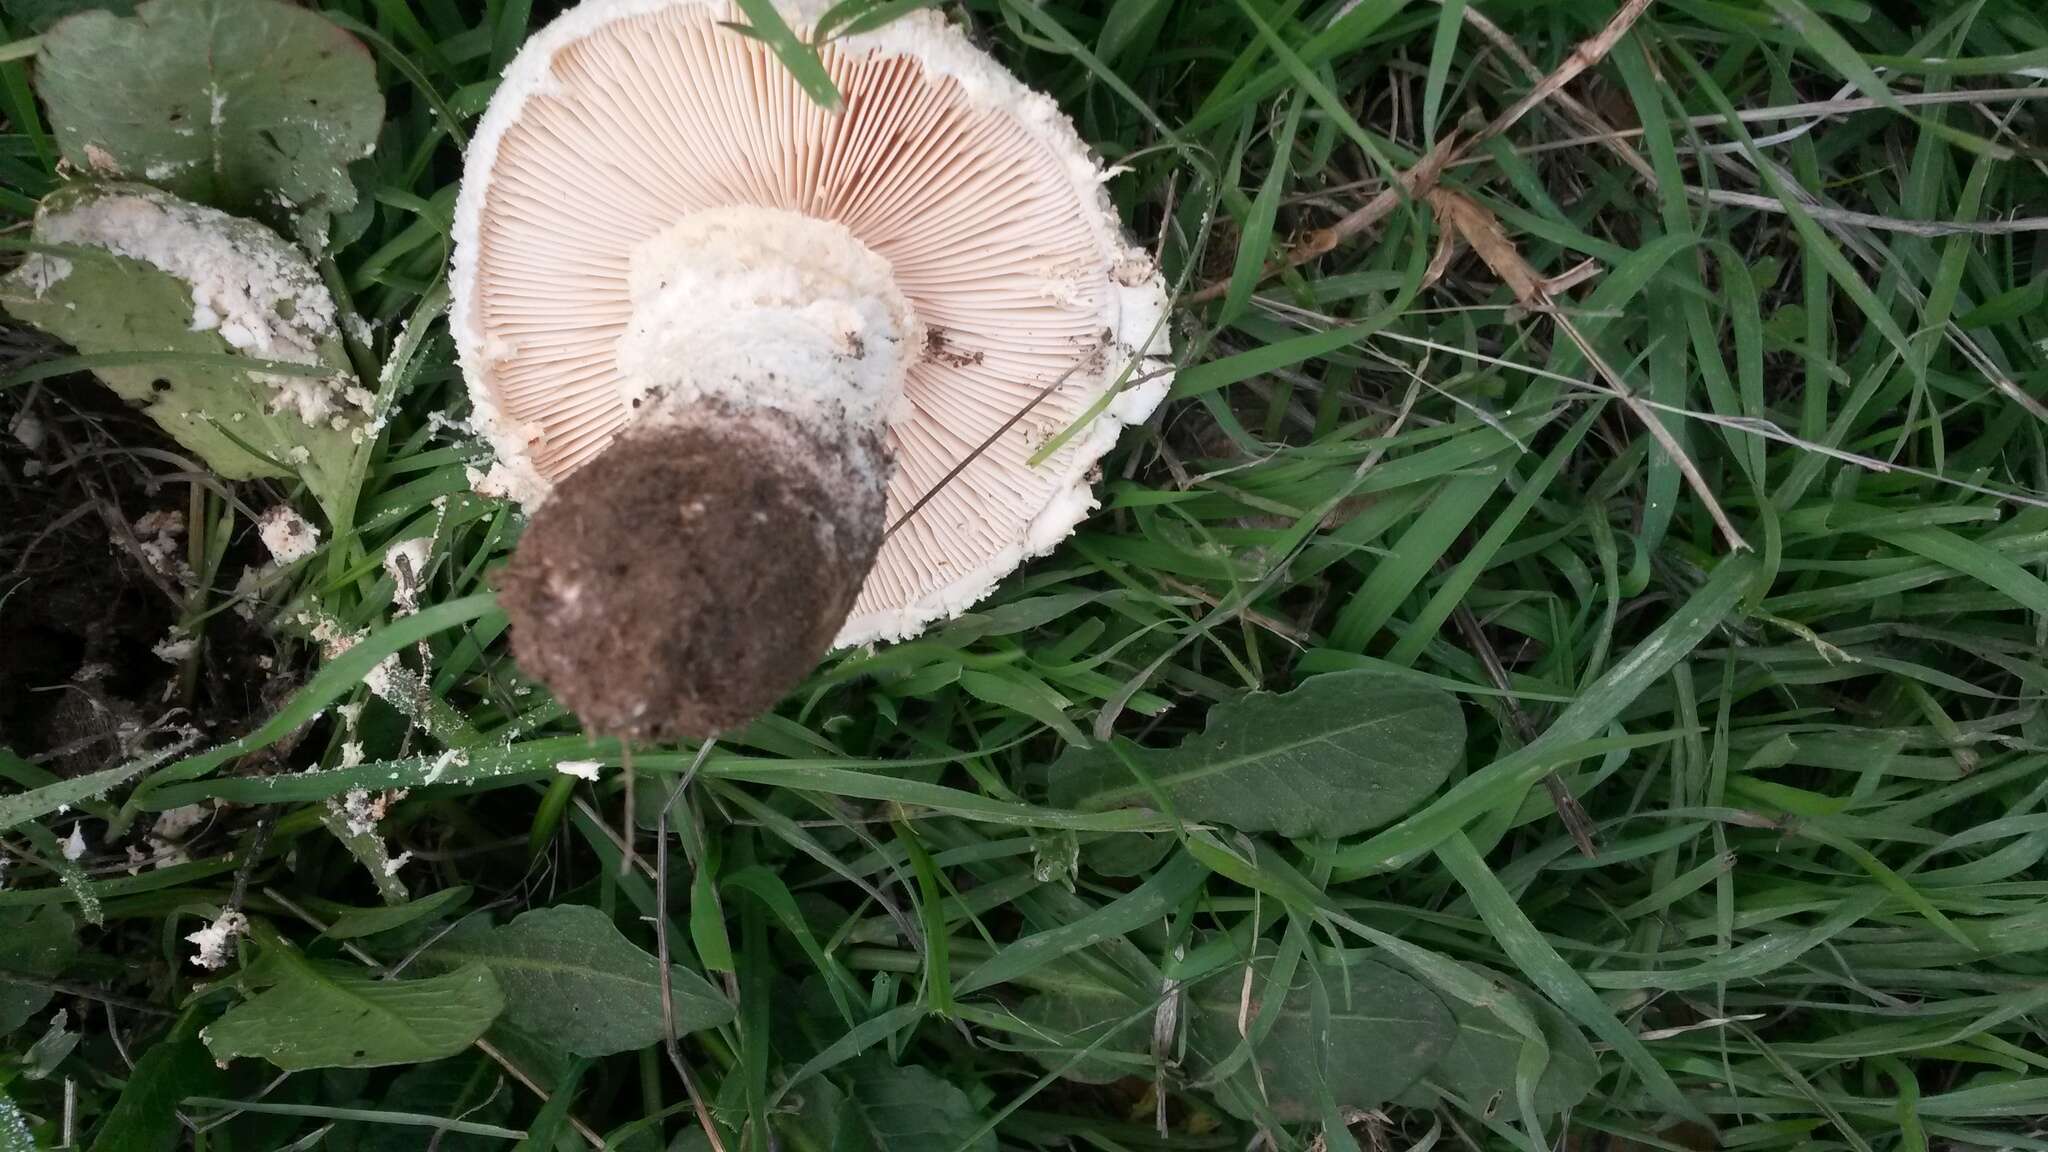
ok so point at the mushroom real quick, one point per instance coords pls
(773, 378)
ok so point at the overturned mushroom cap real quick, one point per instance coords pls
(632, 139)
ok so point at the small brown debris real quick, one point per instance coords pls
(938, 347)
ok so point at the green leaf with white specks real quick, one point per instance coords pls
(14, 1133)
(243, 295)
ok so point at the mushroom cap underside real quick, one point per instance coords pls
(625, 116)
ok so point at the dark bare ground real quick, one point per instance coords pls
(94, 574)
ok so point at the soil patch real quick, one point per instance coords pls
(93, 577)
(685, 580)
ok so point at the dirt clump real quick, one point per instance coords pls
(686, 579)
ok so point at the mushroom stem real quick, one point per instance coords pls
(688, 578)
(758, 307)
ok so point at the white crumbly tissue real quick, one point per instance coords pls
(157, 536)
(41, 271)
(216, 940)
(391, 681)
(581, 769)
(176, 823)
(762, 307)
(500, 483)
(174, 647)
(362, 810)
(74, 845)
(247, 283)
(451, 758)
(288, 535)
(406, 563)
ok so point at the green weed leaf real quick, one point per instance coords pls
(906, 1109)
(41, 15)
(242, 104)
(34, 943)
(1382, 1032)
(321, 1015)
(255, 383)
(466, 1087)
(145, 1117)
(1480, 1065)
(571, 976)
(1340, 754)
(370, 921)
(765, 23)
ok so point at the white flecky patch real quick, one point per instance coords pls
(247, 284)
(215, 940)
(406, 562)
(289, 536)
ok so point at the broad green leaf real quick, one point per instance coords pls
(33, 943)
(1480, 1065)
(1384, 1030)
(145, 1117)
(1550, 972)
(41, 15)
(1125, 853)
(143, 271)
(571, 976)
(370, 921)
(321, 1015)
(242, 104)
(906, 1109)
(1342, 753)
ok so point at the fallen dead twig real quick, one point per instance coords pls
(1577, 109)
(1459, 214)
(1927, 228)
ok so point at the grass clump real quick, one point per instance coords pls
(1563, 670)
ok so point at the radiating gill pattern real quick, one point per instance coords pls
(661, 113)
